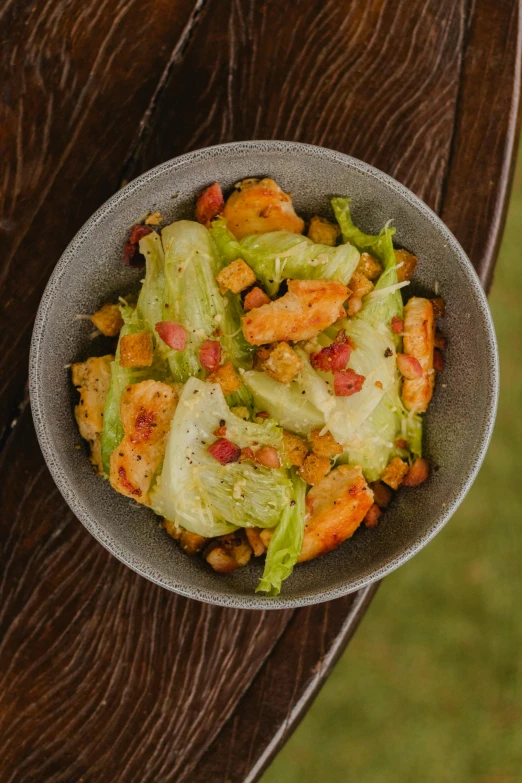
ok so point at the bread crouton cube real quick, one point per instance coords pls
(189, 542)
(324, 445)
(359, 285)
(408, 263)
(236, 277)
(227, 378)
(108, 320)
(282, 363)
(295, 449)
(322, 232)
(254, 539)
(136, 350)
(314, 468)
(393, 475)
(369, 266)
(266, 534)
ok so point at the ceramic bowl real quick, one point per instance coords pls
(458, 424)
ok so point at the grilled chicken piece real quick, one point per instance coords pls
(258, 206)
(337, 506)
(419, 342)
(309, 307)
(146, 413)
(92, 378)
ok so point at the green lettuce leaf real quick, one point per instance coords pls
(287, 404)
(286, 543)
(201, 494)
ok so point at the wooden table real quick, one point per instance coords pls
(106, 677)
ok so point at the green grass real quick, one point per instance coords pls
(430, 688)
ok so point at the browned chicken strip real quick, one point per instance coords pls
(92, 378)
(309, 307)
(337, 506)
(258, 206)
(419, 342)
(146, 413)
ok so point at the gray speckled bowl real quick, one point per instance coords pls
(457, 427)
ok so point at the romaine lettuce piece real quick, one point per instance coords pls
(201, 494)
(194, 300)
(151, 301)
(287, 404)
(286, 543)
(279, 255)
(228, 247)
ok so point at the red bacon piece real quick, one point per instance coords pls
(209, 204)
(174, 335)
(255, 298)
(347, 382)
(409, 366)
(333, 358)
(397, 324)
(210, 355)
(224, 451)
(131, 251)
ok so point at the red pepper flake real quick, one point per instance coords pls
(131, 251)
(126, 483)
(224, 451)
(397, 324)
(347, 382)
(409, 366)
(255, 298)
(268, 457)
(210, 355)
(143, 426)
(174, 335)
(438, 360)
(209, 204)
(333, 358)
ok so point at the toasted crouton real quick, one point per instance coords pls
(369, 266)
(136, 350)
(254, 539)
(265, 535)
(337, 505)
(324, 445)
(314, 468)
(322, 232)
(189, 542)
(394, 473)
(359, 285)
(258, 206)
(108, 320)
(309, 307)
(92, 378)
(408, 263)
(227, 378)
(282, 364)
(235, 277)
(227, 553)
(295, 449)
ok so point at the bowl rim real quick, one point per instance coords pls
(254, 601)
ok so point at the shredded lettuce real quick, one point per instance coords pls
(201, 494)
(286, 543)
(194, 300)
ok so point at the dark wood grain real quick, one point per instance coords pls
(104, 676)
(76, 79)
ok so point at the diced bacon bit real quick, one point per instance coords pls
(372, 516)
(127, 484)
(382, 493)
(209, 204)
(439, 307)
(131, 252)
(400, 443)
(145, 423)
(174, 335)
(440, 341)
(268, 457)
(418, 473)
(210, 355)
(409, 366)
(347, 382)
(255, 298)
(397, 324)
(247, 454)
(438, 360)
(224, 451)
(332, 358)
